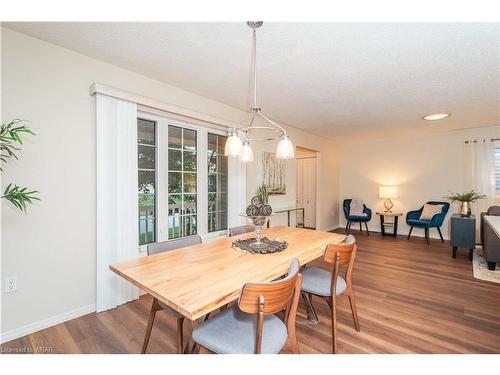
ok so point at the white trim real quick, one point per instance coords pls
(98, 88)
(46, 323)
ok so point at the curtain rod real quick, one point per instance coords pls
(484, 140)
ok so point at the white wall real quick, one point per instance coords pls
(51, 250)
(423, 167)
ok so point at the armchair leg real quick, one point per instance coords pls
(409, 234)
(347, 226)
(427, 236)
(440, 235)
(366, 226)
(360, 228)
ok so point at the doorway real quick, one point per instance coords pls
(306, 186)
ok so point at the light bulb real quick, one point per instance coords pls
(285, 149)
(246, 153)
(234, 145)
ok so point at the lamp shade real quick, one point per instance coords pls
(388, 192)
(285, 149)
(246, 153)
(234, 145)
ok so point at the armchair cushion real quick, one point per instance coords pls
(347, 208)
(418, 223)
(430, 210)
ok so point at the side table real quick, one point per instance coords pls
(393, 224)
(463, 233)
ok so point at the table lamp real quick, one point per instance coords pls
(388, 192)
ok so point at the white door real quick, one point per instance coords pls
(309, 191)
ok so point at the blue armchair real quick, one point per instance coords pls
(413, 220)
(356, 219)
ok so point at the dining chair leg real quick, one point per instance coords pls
(311, 312)
(334, 325)
(180, 335)
(440, 235)
(354, 310)
(409, 233)
(366, 226)
(151, 321)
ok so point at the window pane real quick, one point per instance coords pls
(189, 139)
(182, 205)
(174, 182)
(217, 183)
(145, 132)
(212, 143)
(174, 160)
(189, 204)
(146, 182)
(212, 182)
(212, 161)
(189, 183)
(221, 144)
(189, 161)
(146, 157)
(174, 136)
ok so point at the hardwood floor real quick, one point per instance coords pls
(411, 298)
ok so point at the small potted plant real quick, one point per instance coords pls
(465, 200)
(262, 193)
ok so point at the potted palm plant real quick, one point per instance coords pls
(465, 200)
(10, 141)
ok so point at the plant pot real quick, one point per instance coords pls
(465, 209)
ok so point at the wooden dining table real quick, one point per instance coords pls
(199, 279)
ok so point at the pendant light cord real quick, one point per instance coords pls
(254, 63)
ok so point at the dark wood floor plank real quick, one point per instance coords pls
(411, 297)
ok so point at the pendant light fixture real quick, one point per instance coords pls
(235, 145)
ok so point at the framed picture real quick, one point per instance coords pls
(273, 173)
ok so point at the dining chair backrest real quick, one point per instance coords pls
(272, 297)
(276, 294)
(177, 243)
(235, 231)
(340, 255)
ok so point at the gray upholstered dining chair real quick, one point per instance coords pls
(235, 231)
(156, 248)
(251, 327)
(328, 284)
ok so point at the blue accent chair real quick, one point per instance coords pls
(356, 219)
(413, 220)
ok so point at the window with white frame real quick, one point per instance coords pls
(183, 179)
(217, 183)
(146, 154)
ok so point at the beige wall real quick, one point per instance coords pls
(423, 167)
(51, 250)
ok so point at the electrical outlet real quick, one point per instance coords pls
(10, 284)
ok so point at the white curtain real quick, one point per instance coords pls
(117, 206)
(480, 172)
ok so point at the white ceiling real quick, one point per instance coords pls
(332, 79)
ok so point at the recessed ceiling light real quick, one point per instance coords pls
(436, 116)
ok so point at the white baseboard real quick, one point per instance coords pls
(45, 323)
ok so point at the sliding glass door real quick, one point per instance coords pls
(183, 180)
